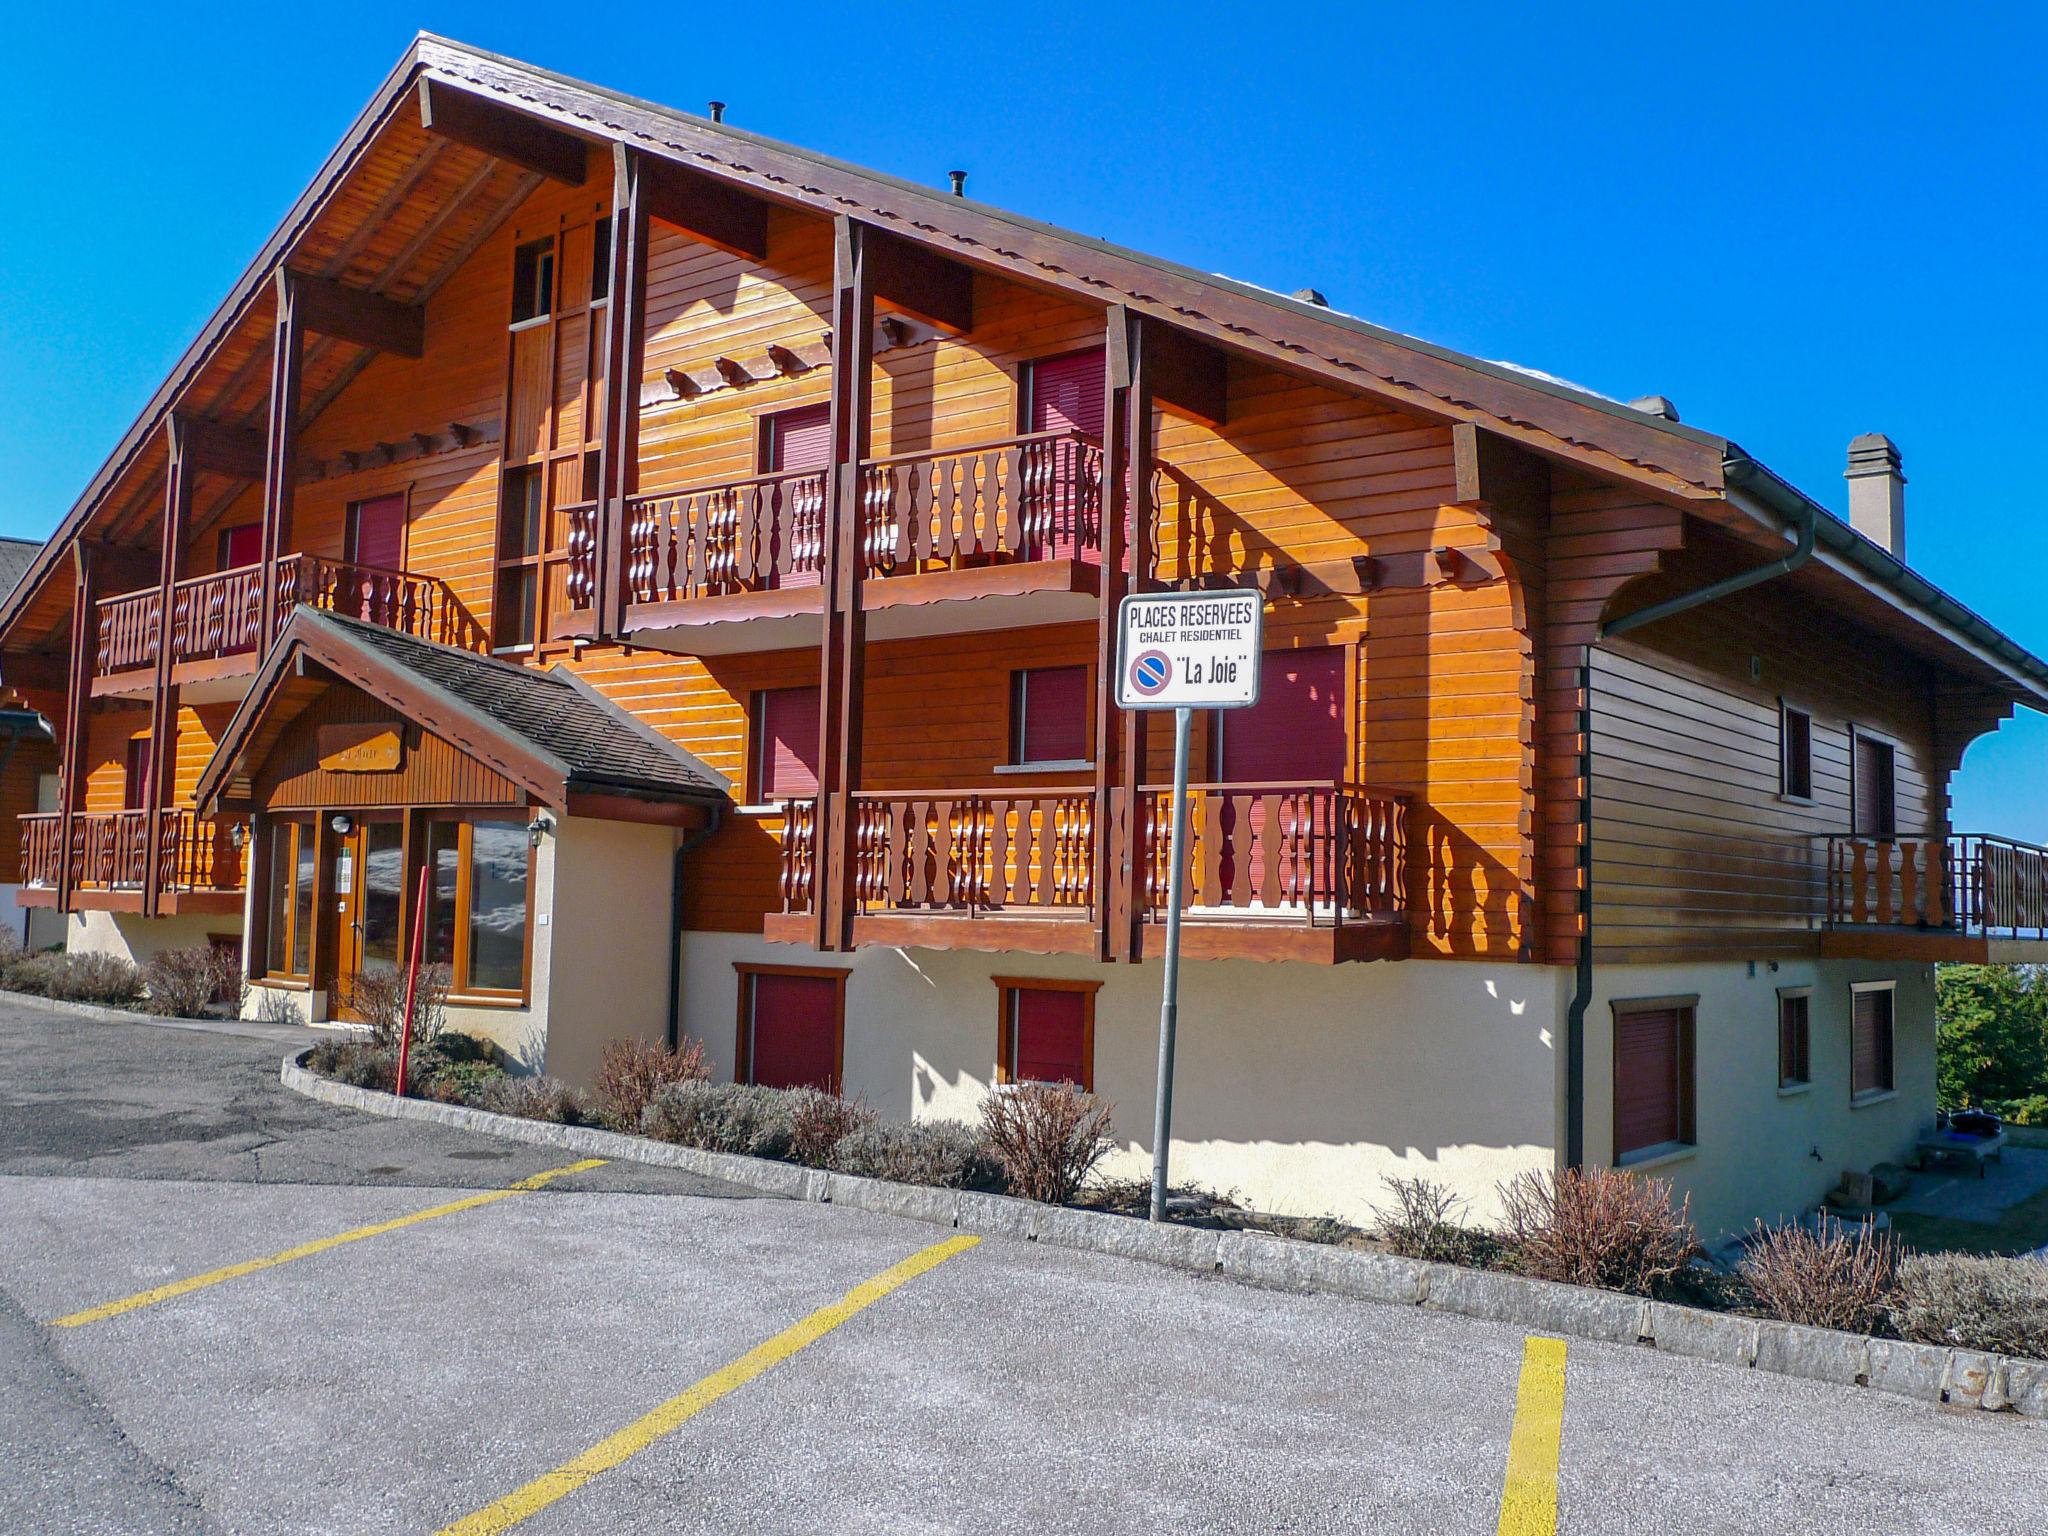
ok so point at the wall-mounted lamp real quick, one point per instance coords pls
(342, 825)
(539, 827)
(238, 835)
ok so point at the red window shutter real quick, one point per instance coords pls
(241, 546)
(378, 534)
(135, 774)
(1067, 394)
(795, 1031)
(788, 747)
(1646, 1080)
(1052, 704)
(799, 439)
(1870, 1065)
(1049, 1036)
(1296, 730)
(1875, 798)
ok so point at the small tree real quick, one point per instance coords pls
(1991, 1034)
(378, 999)
(634, 1070)
(1047, 1137)
(1597, 1226)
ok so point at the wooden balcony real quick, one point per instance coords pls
(201, 868)
(217, 620)
(1297, 871)
(1969, 897)
(1015, 525)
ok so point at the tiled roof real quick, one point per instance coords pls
(16, 555)
(604, 747)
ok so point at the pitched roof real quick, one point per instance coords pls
(16, 556)
(549, 731)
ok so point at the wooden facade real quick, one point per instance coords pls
(584, 459)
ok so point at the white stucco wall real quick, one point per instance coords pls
(607, 941)
(1754, 1154)
(35, 928)
(1298, 1086)
(137, 938)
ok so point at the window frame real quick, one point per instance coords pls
(460, 984)
(1790, 1082)
(280, 910)
(1016, 762)
(1027, 379)
(351, 527)
(757, 796)
(1889, 832)
(1686, 1007)
(1889, 1088)
(1788, 781)
(523, 564)
(745, 971)
(547, 260)
(1007, 987)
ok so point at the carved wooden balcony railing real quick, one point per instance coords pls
(221, 615)
(109, 851)
(1970, 883)
(1320, 852)
(742, 536)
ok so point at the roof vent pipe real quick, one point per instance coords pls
(959, 183)
(1310, 296)
(718, 111)
(1877, 492)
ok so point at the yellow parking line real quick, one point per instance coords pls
(192, 1283)
(609, 1452)
(1528, 1501)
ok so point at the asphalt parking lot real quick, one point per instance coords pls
(632, 1349)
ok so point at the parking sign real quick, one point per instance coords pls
(1189, 650)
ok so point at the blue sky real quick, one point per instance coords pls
(1799, 223)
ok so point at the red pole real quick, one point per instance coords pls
(412, 976)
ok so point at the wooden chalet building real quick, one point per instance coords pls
(699, 555)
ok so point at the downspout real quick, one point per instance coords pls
(684, 849)
(1740, 472)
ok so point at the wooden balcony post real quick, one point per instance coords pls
(280, 449)
(1136, 475)
(842, 647)
(625, 358)
(77, 699)
(161, 772)
(1115, 835)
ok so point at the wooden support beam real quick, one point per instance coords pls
(503, 132)
(212, 446)
(1140, 446)
(1189, 377)
(85, 591)
(357, 315)
(1495, 472)
(625, 324)
(842, 652)
(1115, 801)
(703, 208)
(281, 448)
(163, 701)
(921, 282)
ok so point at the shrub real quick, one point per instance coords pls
(1832, 1281)
(85, 978)
(1998, 1305)
(819, 1121)
(635, 1070)
(943, 1153)
(377, 996)
(536, 1098)
(1597, 1226)
(1047, 1138)
(359, 1063)
(186, 983)
(721, 1117)
(1423, 1222)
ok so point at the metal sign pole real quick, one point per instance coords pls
(1169, 1002)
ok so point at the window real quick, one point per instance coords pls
(376, 532)
(135, 774)
(785, 746)
(1870, 1040)
(601, 260)
(1795, 736)
(533, 280)
(1046, 1032)
(1795, 1037)
(1049, 716)
(479, 902)
(1873, 806)
(239, 547)
(1653, 1077)
(290, 911)
(1065, 394)
(520, 514)
(791, 1027)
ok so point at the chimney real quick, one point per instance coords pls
(959, 179)
(1877, 491)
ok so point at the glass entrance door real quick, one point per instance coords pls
(366, 884)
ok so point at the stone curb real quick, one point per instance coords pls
(1932, 1373)
(254, 1029)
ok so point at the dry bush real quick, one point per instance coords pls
(721, 1117)
(359, 1063)
(86, 978)
(634, 1070)
(1837, 1281)
(942, 1153)
(1597, 1226)
(1424, 1222)
(1047, 1138)
(1999, 1305)
(378, 998)
(819, 1121)
(186, 983)
(536, 1098)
